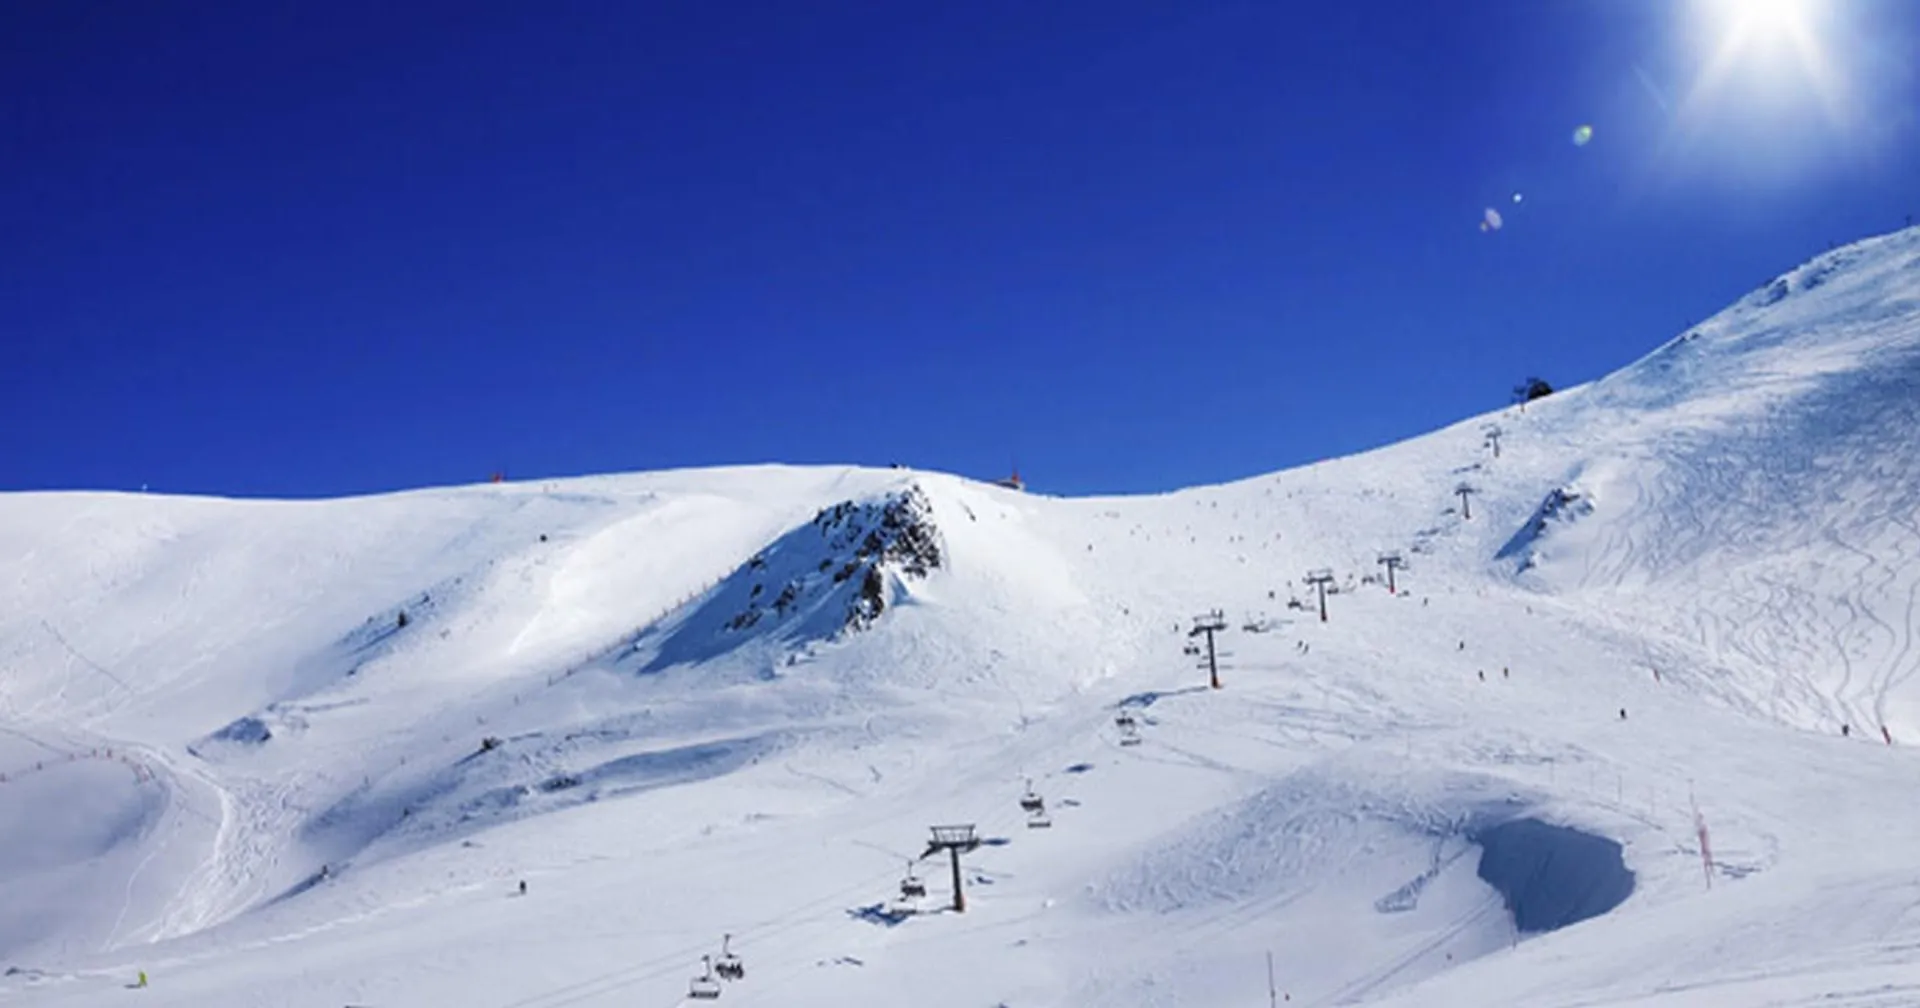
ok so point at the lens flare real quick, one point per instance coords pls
(1582, 135)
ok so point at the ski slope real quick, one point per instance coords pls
(302, 753)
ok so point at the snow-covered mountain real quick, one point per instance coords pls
(303, 753)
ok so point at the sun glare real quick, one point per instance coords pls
(1767, 22)
(1764, 51)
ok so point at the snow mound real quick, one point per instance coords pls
(1329, 824)
(1374, 856)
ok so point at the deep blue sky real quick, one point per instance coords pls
(319, 248)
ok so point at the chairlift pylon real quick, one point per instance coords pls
(729, 966)
(704, 987)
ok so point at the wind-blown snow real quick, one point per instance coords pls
(302, 753)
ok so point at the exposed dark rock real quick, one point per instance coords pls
(860, 543)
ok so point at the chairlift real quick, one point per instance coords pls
(1031, 802)
(1038, 820)
(1129, 728)
(704, 987)
(911, 887)
(729, 966)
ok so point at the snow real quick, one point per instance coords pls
(301, 753)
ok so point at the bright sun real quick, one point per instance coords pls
(1766, 24)
(1772, 49)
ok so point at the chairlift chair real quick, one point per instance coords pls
(1039, 820)
(729, 966)
(1031, 802)
(1129, 728)
(911, 887)
(704, 987)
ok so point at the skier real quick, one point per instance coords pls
(1483, 675)
(142, 982)
(1623, 713)
(523, 887)
(1503, 672)
(1846, 730)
